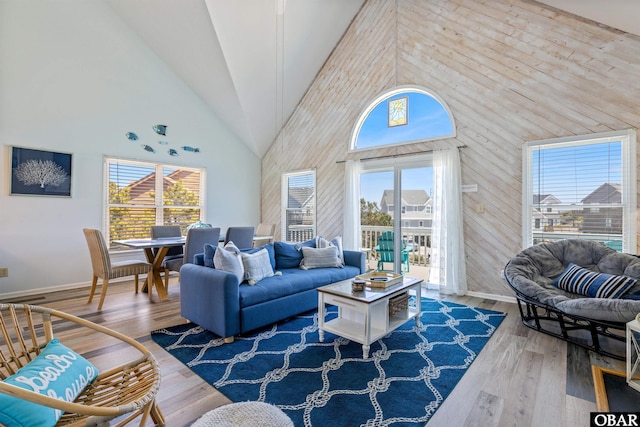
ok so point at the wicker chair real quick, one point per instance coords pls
(126, 391)
(105, 269)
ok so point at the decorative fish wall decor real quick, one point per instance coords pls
(173, 152)
(148, 148)
(132, 136)
(191, 149)
(160, 129)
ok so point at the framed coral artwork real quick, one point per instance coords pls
(40, 173)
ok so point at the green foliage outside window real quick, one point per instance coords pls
(127, 221)
(370, 214)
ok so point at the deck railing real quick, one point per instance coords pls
(418, 237)
(300, 233)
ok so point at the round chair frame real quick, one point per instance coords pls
(129, 389)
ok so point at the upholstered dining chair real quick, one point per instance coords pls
(242, 237)
(194, 244)
(264, 234)
(174, 254)
(106, 270)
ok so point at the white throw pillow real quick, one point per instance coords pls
(229, 259)
(320, 258)
(321, 242)
(257, 266)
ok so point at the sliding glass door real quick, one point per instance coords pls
(395, 211)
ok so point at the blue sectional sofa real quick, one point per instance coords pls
(215, 300)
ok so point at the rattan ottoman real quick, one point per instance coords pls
(245, 414)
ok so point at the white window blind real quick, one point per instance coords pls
(581, 188)
(299, 196)
(140, 195)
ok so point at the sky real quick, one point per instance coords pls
(426, 118)
(373, 184)
(572, 173)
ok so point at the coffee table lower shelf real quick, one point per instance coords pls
(364, 317)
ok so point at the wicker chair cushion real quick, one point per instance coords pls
(57, 372)
(533, 271)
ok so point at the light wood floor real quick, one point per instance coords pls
(521, 378)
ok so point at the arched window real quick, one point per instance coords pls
(403, 115)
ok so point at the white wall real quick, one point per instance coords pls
(75, 79)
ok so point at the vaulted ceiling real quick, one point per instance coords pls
(251, 61)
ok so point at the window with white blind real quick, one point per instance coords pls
(299, 206)
(139, 195)
(581, 188)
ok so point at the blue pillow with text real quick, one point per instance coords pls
(57, 372)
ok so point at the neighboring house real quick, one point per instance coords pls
(300, 210)
(142, 191)
(301, 205)
(546, 215)
(416, 207)
(602, 219)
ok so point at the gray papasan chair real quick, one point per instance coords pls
(549, 309)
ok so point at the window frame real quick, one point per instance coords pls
(158, 205)
(386, 96)
(285, 196)
(628, 141)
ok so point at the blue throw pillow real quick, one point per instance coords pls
(578, 280)
(57, 372)
(289, 255)
(209, 252)
(270, 250)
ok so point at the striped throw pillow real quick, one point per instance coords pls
(578, 280)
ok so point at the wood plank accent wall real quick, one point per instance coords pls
(510, 70)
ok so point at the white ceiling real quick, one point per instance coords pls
(250, 64)
(251, 61)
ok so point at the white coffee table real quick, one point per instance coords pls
(363, 316)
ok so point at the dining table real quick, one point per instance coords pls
(148, 245)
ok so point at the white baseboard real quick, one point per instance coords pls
(494, 297)
(7, 296)
(503, 298)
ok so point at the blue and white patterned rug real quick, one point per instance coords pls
(406, 378)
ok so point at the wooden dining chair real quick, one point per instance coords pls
(264, 234)
(106, 270)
